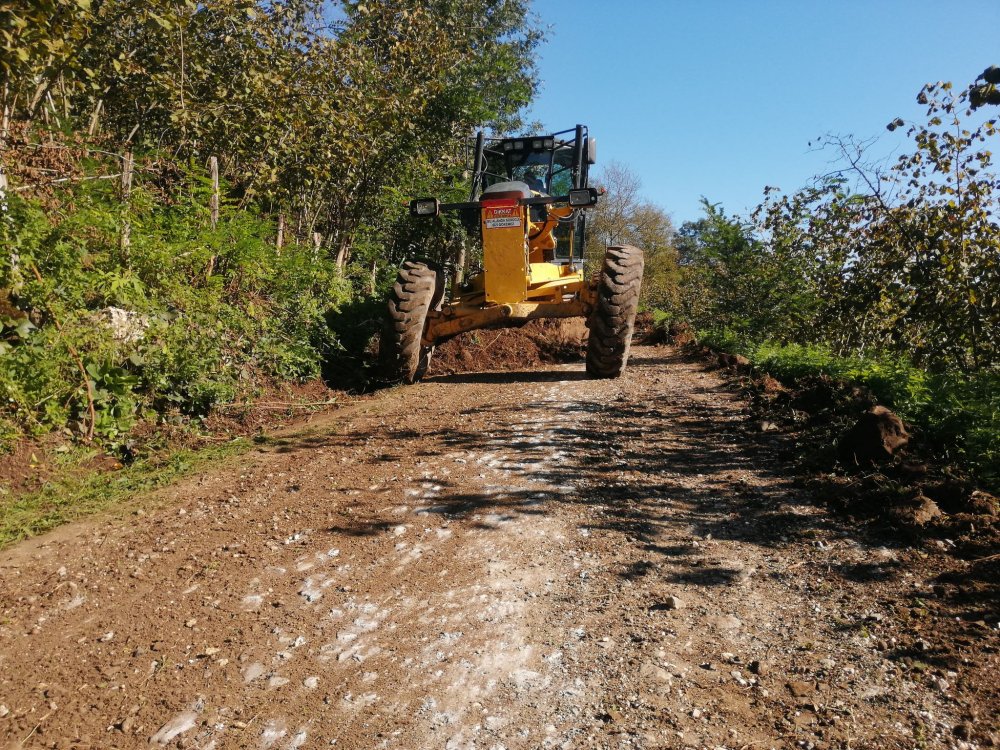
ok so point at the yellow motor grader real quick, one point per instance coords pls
(528, 201)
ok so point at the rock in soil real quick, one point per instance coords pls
(920, 511)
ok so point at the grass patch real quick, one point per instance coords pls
(76, 496)
(957, 413)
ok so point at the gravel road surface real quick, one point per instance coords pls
(516, 560)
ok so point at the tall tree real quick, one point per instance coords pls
(623, 217)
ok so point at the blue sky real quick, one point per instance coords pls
(720, 98)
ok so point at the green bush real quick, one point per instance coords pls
(209, 313)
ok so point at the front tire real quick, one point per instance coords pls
(613, 320)
(417, 290)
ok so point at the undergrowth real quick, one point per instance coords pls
(957, 413)
(96, 335)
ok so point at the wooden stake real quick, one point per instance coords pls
(14, 256)
(125, 241)
(95, 118)
(213, 202)
(65, 99)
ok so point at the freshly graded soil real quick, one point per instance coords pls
(504, 349)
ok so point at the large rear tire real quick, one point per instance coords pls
(613, 320)
(419, 288)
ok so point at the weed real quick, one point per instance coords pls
(72, 495)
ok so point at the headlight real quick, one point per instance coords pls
(583, 197)
(425, 207)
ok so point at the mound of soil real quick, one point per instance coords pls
(536, 342)
(861, 457)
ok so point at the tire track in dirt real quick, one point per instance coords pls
(511, 560)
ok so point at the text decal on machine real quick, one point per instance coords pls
(502, 217)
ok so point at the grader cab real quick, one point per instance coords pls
(528, 202)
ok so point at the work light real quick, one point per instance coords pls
(425, 207)
(583, 197)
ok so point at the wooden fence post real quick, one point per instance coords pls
(95, 118)
(213, 202)
(15, 258)
(213, 206)
(125, 241)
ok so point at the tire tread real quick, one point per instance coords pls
(612, 322)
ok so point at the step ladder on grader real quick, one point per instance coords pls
(529, 200)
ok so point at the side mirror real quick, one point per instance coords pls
(591, 150)
(425, 207)
(583, 197)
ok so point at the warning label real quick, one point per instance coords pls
(502, 217)
(502, 223)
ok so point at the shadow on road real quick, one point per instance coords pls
(511, 377)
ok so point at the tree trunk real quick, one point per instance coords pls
(15, 259)
(342, 254)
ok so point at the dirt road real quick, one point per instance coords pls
(519, 560)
